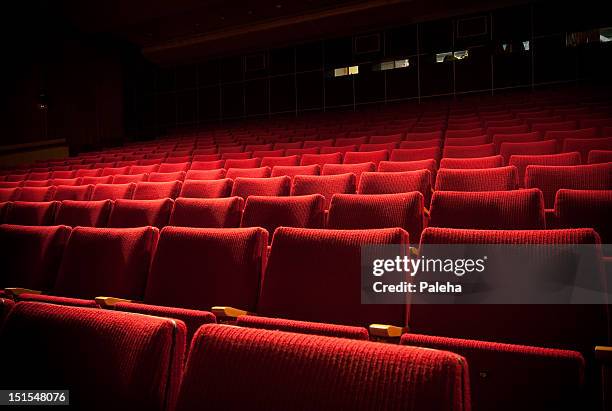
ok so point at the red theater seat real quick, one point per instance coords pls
(531, 148)
(280, 161)
(273, 186)
(467, 141)
(96, 180)
(242, 163)
(173, 167)
(129, 178)
(111, 171)
(292, 171)
(28, 213)
(305, 211)
(482, 150)
(82, 193)
(585, 145)
(522, 161)
(316, 372)
(320, 159)
(348, 141)
(537, 379)
(155, 191)
(395, 166)
(476, 162)
(84, 213)
(307, 265)
(485, 179)
(488, 210)
(465, 133)
(336, 149)
(207, 212)
(206, 188)
(600, 156)
(260, 172)
(166, 177)
(236, 156)
(215, 174)
(301, 151)
(35, 194)
(366, 156)
(415, 154)
(144, 169)
(563, 134)
(31, 256)
(40, 176)
(378, 147)
(6, 306)
(139, 359)
(140, 213)
(499, 139)
(396, 182)
(303, 327)
(207, 165)
(102, 262)
(390, 138)
(113, 191)
(356, 211)
(356, 168)
(550, 179)
(327, 186)
(234, 262)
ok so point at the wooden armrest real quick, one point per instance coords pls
(426, 212)
(107, 302)
(414, 252)
(386, 331)
(16, 291)
(230, 312)
(603, 354)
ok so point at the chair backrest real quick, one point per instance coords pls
(207, 212)
(396, 182)
(112, 191)
(281, 369)
(166, 177)
(259, 172)
(409, 154)
(366, 156)
(327, 186)
(231, 276)
(292, 171)
(280, 161)
(155, 191)
(550, 179)
(475, 162)
(306, 211)
(599, 156)
(140, 213)
(83, 213)
(320, 159)
(35, 194)
(480, 150)
(522, 161)
(488, 210)
(206, 188)
(138, 358)
(302, 259)
(31, 256)
(26, 213)
(543, 147)
(585, 145)
(106, 262)
(272, 186)
(585, 208)
(484, 179)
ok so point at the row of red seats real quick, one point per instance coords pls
(306, 265)
(518, 209)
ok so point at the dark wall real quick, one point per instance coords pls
(57, 82)
(300, 78)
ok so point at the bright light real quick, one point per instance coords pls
(353, 70)
(526, 45)
(342, 71)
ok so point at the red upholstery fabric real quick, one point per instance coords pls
(140, 213)
(207, 165)
(144, 169)
(378, 147)
(320, 159)
(510, 377)
(475, 162)
(563, 134)
(16, 177)
(111, 171)
(553, 125)
(255, 147)
(35, 183)
(467, 141)
(498, 139)
(281, 369)
(338, 149)
(357, 211)
(9, 194)
(420, 144)
(113, 191)
(522, 161)
(138, 359)
(97, 180)
(166, 177)
(531, 148)
(106, 262)
(215, 174)
(273, 186)
(482, 150)
(260, 172)
(390, 138)
(280, 161)
(465, 133)
(82, 172)
(39, 176)
(231, 276)
(155, 191)
(129, 178)
(268, 153)
(549, 179)
(489, 210)
(585, 145)
(36, 193)
(242, 163)
(206, 188)
(205, 157)
(327, 186)
(84, 213)
(357, 169)
(348, 141)
(395, 166)
(366, 156)
(303, 327)
(599, 156)
(493, 130)
(207, 212)
(585, 208)
(301, 151)
(10, 184)
(295, 144)
(485, 179)
(6, 305)
(424, 136)
(292, 171)
(26, 213)
(415, 154)
(173, 167)
(307, 265)
(31, 255)
(396, 182)
(306, 211)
